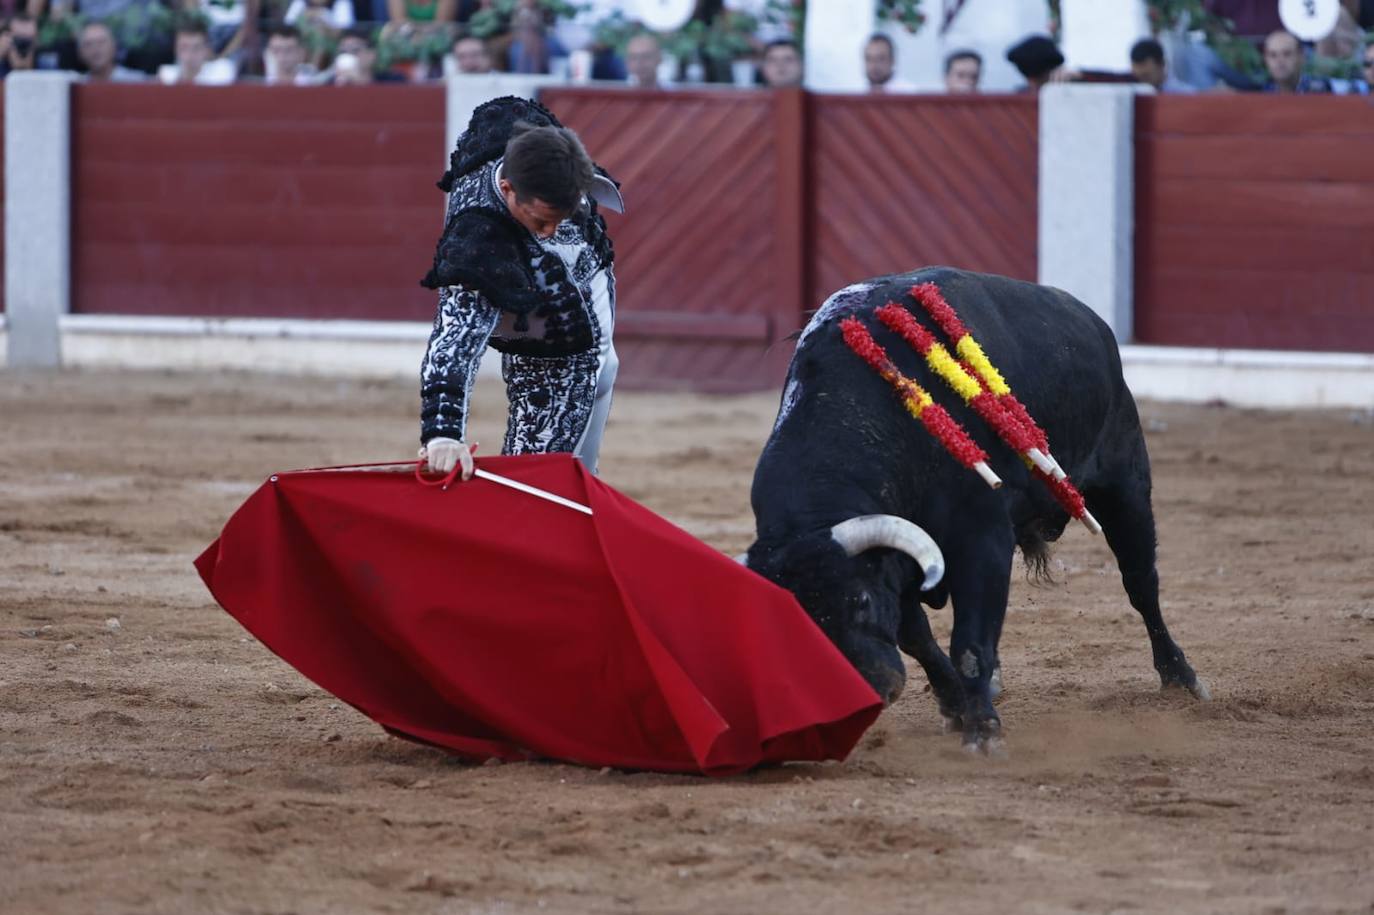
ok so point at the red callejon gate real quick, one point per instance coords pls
(1255, 222)
(709, 253)
(900, 182)
(256, 201)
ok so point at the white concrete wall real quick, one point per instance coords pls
(1087, 197)
(37, 215)
(1098, 35)
(836, 31)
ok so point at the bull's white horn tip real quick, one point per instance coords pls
(933, 576)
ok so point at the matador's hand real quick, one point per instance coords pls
(442, 454)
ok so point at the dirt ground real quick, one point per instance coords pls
(155, 759)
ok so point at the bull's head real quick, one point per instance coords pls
(841, 581)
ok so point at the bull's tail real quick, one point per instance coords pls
(1034, 541)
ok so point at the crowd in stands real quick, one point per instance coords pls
(311, 42)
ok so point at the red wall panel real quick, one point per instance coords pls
(1254, 219)
(256, 201)
(708, 254)
(900, 182)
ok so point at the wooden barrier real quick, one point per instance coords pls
(899, 182)
(242, 201)
(1255, 222)
(709, 253)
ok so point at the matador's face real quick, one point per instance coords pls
(539, 217)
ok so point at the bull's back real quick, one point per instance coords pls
(1059, 358)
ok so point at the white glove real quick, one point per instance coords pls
(443, 453)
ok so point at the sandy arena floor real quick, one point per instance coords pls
(154, 759)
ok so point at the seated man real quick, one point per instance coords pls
(96, 46)
(1148, 67)
(285, 58)
(963, 72)
(782, 64)
(471, 56)
(355, 63)
(643, 55)
(880, 66)
(193, 64)
(1284, 61)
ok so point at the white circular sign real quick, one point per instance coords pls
(1310, 20)
(663, 15)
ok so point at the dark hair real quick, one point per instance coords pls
(361, 32)
(464, 35)
(782, 43)
(880, 37)
(96, 23)
(962, 54)
(1147, 49)
(548, 164)
(282, 30)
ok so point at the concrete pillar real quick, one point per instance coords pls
(37, 215)
(466, 93)
(1087, 197)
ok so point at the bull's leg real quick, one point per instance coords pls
(915, 638)
(979, 580)
(1129, 523)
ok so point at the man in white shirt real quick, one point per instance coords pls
(193, 64)
(880, 65)
(96, 47)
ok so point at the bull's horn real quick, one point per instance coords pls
(868, 531)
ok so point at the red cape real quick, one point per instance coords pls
(495, 623)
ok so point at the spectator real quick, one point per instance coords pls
(1038, 60)
(963, 71)
(782, 64)
(285, 58)
(1148, 66)
(880, 66)
(21, 46)
(97, 49)
(141, 28)
(1365, 86)
(193, 64)
(642, 59)
(532, 46)
(355, 64)
(471, 55)
(1284, 61)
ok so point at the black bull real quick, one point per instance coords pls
(843, 447)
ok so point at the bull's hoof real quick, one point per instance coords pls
(984, 738)
(1190, 682)
(1198, 689)
(991, 747)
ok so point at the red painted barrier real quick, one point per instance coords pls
(900, 182)
(256, 201)
(1254, 220)
(709, 259)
